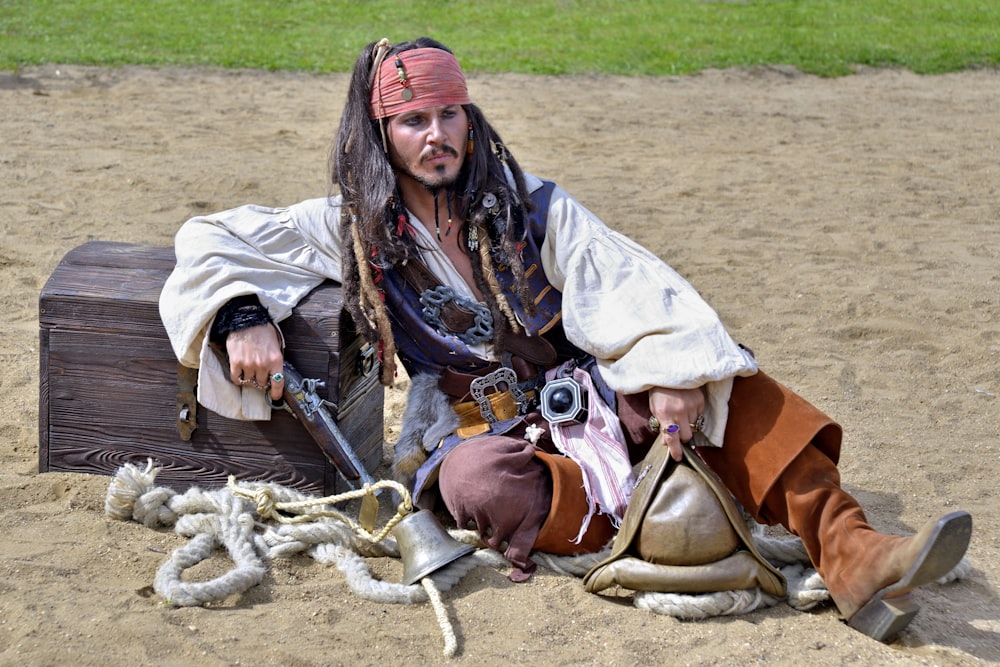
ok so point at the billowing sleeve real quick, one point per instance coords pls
(644, 323)
(279, 254)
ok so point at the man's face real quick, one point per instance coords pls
(429, 144)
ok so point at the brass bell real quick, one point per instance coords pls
(425, 546)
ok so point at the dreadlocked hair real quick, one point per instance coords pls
(371, 205)
(492, 170)
(374, 219)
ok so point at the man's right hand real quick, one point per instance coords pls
(255, 355)
(680, 407)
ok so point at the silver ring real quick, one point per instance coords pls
(698, 425)
(654, 424)
(277, 377)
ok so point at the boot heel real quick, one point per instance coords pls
(882, 619)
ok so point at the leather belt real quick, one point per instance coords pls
(457, 384)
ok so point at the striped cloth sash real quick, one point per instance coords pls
(598, 447)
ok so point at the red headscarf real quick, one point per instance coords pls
(417, 79)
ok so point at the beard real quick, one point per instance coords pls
(434, 185)
(440, 178)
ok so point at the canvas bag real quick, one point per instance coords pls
(683, 533)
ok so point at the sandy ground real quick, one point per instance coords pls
(847, 230)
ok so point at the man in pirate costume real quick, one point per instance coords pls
(485, 282)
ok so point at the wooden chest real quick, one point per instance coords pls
(111, 390)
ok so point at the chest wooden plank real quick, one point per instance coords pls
(111, 390)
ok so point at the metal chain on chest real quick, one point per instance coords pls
(433, 300)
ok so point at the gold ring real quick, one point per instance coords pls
(698, 425)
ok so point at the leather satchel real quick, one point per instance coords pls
(683, 533)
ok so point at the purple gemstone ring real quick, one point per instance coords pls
(654, 425)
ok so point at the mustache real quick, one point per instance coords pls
(434, 152)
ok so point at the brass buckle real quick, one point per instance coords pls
(502, 375)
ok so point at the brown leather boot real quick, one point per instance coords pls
(869, 574)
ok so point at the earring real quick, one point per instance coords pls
(470, 145)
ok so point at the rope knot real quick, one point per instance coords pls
(264, 499)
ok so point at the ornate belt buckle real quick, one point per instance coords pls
(479, 387)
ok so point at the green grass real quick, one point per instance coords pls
(632, 37)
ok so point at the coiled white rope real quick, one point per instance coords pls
(228, 518)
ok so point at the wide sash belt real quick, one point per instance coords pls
(470, 416)
(498, 393)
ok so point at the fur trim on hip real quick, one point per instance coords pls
(427, 419)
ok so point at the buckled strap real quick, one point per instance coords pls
(482, 387)
(457, 384)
